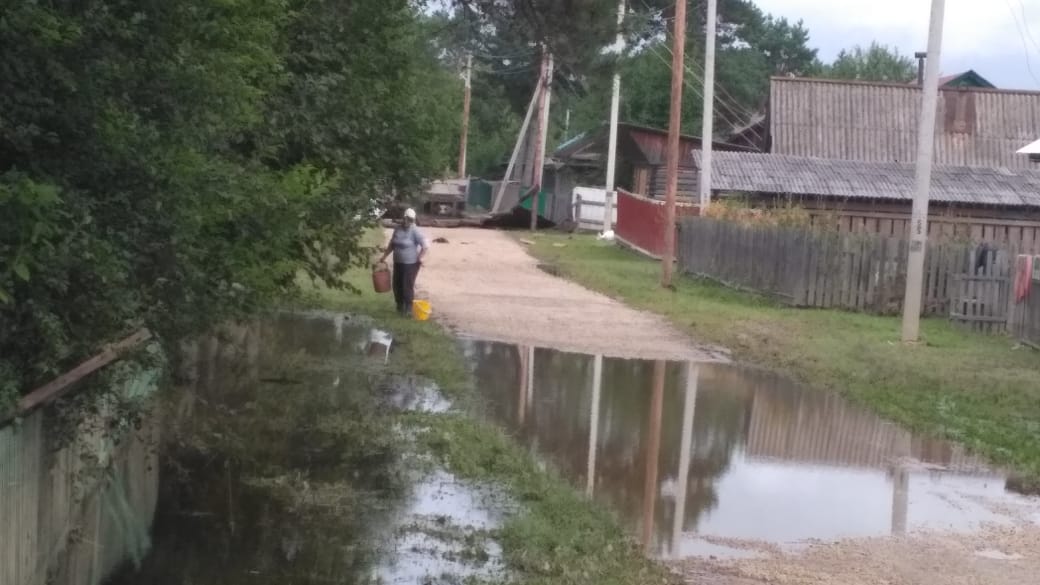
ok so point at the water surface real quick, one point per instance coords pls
(713, 459)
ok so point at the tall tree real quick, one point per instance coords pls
(875, 63)
(175, 163)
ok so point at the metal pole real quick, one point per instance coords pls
(615, 107)
(597, 390)
(674, 128)
(465, 117)
(539, 162)
(925, 148)
(708, 121)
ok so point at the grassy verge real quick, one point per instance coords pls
(980, 390)
(560, 537)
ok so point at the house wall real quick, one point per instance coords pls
(641, 222)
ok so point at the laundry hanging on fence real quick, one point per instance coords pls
(1023, 276)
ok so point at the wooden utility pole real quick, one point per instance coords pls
(465, 117)
(545, 84)
(615, 107)
(708, 119)
(674, 127)
(923, 183)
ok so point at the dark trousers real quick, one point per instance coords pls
(404, 286)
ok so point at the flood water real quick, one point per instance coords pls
(716, 460)
(283, 461)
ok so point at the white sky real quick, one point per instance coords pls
(978, 35)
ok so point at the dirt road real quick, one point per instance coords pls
(483, 284)
(1004, 555)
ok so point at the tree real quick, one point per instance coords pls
(177, 163)
(875, 63)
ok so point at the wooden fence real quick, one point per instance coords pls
(1020, 234)
(72, 511)
(807, 268)
(1024, 308)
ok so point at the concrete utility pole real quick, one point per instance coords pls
(465, 117)
(615, 107)
(708, 122)
(925, 149)
(543, 131)
(674, 127)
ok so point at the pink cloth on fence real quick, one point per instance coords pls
(1023, 277)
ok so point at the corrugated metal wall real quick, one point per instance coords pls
(878, 123)
(65, 520)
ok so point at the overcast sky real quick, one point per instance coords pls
(979, 35)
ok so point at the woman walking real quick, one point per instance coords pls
(408, 246)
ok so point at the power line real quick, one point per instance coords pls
(697, 91)
(734, 109)
(1022, 35)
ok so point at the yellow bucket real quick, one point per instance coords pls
(421, 310)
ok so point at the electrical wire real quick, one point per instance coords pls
(1022, 35)
(700, 94)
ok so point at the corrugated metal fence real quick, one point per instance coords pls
(71, 512)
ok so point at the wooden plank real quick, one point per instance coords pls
(55, 388)
(862, 269)
(877, 253)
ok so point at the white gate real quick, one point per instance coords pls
(589, 203)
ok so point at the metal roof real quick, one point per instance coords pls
(1031, 148)
(877, 122)
(799, 175)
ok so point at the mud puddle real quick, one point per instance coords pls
(711, 460)
(284, 460)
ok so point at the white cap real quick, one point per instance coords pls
(409, 213)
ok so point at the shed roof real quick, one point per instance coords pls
(799, 175)
(967, 78)
(878, 122)
(642, 144)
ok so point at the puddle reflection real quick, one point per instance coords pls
(694, 456)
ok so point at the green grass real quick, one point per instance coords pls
(559, 536)
(983, 391)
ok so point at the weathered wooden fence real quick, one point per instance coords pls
(807, 268)
(1022, 235)
(76, 503)
(1024, 303)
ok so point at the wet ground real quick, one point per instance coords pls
(713, 460)
(284, 461)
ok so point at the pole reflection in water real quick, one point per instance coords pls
(521, 400)
(689, 404)
(597, 384)
(653, 453)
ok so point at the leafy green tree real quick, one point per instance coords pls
(875, 63)
(176, 163)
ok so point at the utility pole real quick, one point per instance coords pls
(615, 106)
(465, 117)
(708, 119)
(923, 183)
(543, 130)
(674, 127)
